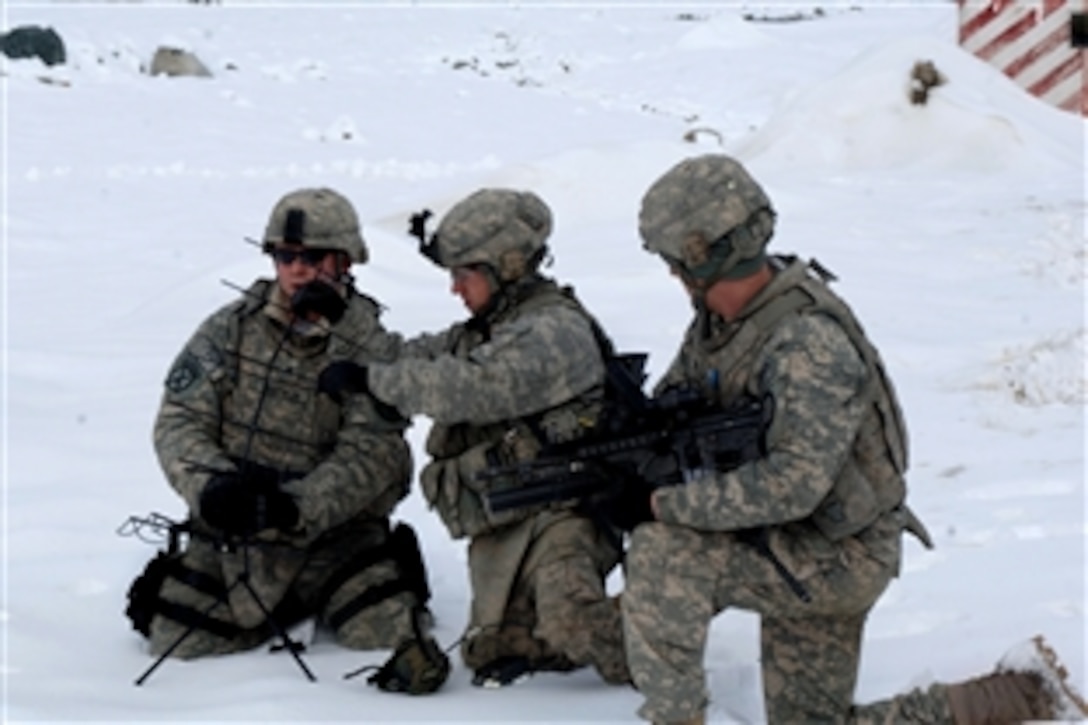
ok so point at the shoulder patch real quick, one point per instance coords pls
(184, 374)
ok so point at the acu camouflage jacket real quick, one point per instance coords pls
(530, 371)
(244, 387)
(836, 448)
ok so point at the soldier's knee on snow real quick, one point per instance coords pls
(389, 583)
(185, 611)
(185, 644)
(143, 594)
(379, 625)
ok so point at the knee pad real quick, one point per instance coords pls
(402, 550)
(143, 595)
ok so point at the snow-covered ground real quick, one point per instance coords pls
(957, 229)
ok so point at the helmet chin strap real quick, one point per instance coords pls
(503, 292)
(343, 269)
(696, 288)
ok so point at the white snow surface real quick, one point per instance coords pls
(957, 230)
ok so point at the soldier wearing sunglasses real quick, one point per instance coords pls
(288, 489)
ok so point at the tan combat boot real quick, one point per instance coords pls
(1029, 683)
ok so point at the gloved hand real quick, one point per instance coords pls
(240, 507)
(342, 376)
(320, 298)
(346, 377)
(631, 506)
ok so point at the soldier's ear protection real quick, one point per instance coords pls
(511, 264)
(515, 263)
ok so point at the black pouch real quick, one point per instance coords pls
(406, 551)
(417, 667)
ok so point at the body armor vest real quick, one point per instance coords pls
(271, 411)
(460, 451)
(871, 482)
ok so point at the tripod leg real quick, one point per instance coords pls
(175, 644)
(288, 644)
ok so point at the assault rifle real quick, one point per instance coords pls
(646, 442)
(663, 441)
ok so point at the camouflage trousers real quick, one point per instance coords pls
(678, 579)
(558, 614)
(323, 587)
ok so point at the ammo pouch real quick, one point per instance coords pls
(417, 667)
(143, 595)
(453, 485)
(849, 508)
(856, 502)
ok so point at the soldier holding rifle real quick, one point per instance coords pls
(827, 496)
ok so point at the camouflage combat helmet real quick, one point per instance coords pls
(501, 228)
(318, 218)
(709, 218)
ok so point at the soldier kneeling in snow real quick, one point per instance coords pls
(289, 490)
(525, 370)
(808, 535)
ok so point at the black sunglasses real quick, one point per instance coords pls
(309, 257)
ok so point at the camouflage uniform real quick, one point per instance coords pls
(242, 393)
(525, 372)
(827, 499)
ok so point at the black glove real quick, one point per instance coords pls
(631, 506)
(345, 377)
(340, 377)
(320, 298)
(240, 507)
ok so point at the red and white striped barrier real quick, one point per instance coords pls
(1034, 43)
